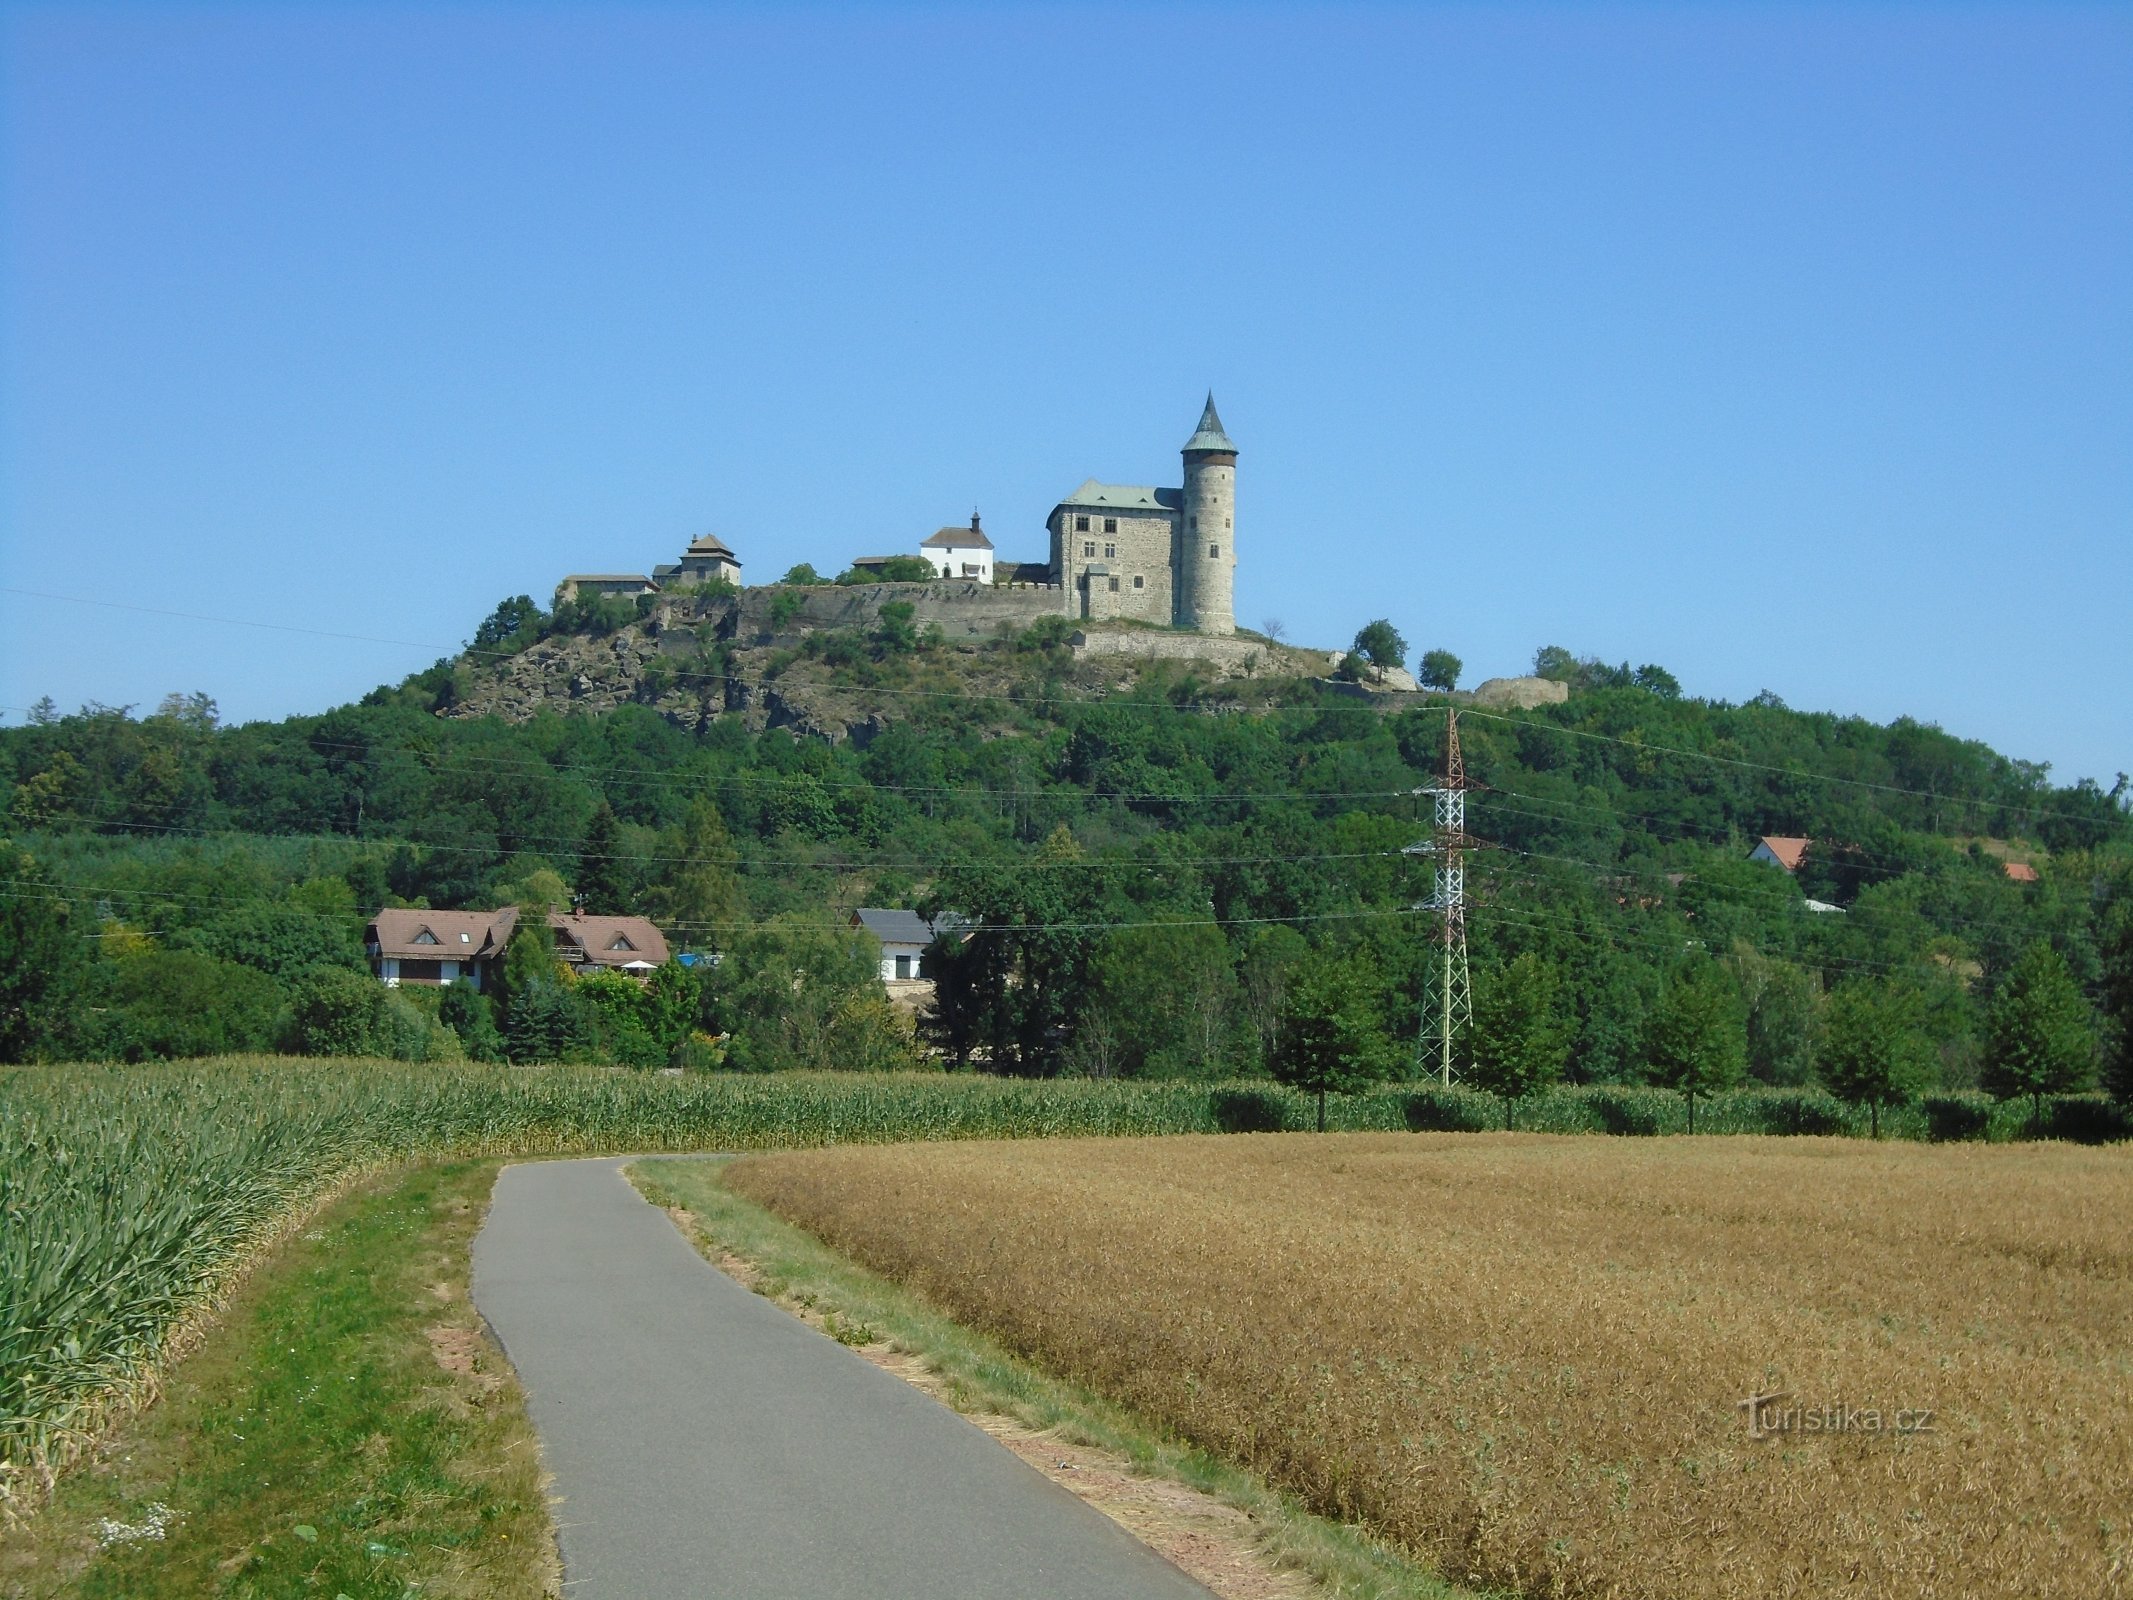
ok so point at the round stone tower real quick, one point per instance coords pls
(1207, 548)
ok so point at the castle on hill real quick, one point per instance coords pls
(1118, 551)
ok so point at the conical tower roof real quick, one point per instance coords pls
(1210, 435)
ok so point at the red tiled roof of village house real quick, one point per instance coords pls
(2020, 871)
(593, 940)
(1790, 852)
(453, 935)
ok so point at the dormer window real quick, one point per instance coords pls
(620, 942)
(425, 937)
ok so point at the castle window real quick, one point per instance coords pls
(1225, 522)
(1081, 524)
(1139, 582)
(1088, 550)
(1110, 524)
(1110, 552)
(1213, 551)
(1114, 586)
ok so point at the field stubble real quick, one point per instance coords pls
(1524, 1356)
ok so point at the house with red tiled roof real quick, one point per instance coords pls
(1780, 851)
(440, 947)
(2019, 871)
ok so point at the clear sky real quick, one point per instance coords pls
(1788, 347)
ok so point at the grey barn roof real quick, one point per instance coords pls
(900, 927)
(1125, 497)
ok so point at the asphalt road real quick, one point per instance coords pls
(705, 1444)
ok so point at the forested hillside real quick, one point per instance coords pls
(1158, 864)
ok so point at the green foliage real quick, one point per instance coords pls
(1353, 668)
(1047, 635)
(787, 605)
(1164, 1005)
(2041, 1037)
(1874, 1050)
(2118, 999)
(472, 1021)
(897, 569)
(1380, 644)
(795, 994)
(1519, 1041)
(1696, 1042)
(1439, 669)
(895, 633)
(170, 1004)
(283, 941)
(513, 625)
(803, 575)
(607, 877)
(1331, 1037)
(41, 958)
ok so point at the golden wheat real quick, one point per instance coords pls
(1523, 1356)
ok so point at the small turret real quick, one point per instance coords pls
(1207, 550)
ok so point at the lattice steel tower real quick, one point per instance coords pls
(1448, 1000)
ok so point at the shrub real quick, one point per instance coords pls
(1250, 1110)
(1949, 1119)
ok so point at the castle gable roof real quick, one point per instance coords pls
(709, 544)
(1209, 435)
(1125, 497)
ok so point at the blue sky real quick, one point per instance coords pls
(1789, 347)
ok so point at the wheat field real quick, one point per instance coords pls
(1523, 1356)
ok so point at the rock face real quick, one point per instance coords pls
(1521, 694)
(1227, 658)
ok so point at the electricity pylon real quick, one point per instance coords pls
(1448, 998)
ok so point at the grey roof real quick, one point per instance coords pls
(897, 927)
(709, 544)
(1125, 497)
(608, 577)
(1210, 435)
(957, 538)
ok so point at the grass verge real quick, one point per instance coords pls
(858, 1307)
(348, 1432)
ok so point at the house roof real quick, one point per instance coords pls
(1029, 572)
(1789, 852)
(1125, 497)
(441, 935)
(609, 577)
(708, 544)
(608, 941)
(2020, 871)
(970, 538)
(902, 927)
(1209, 435)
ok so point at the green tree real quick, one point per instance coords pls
(1164, 1004)
(172, 1004)
(787, 993)
(42, 961)
(1658, 681)
(699, 902)
(895, 633)
(546, 1023)
(1440, 669)
(334, 1012)
(1553, 661)
(2117, 955)
(896, 569)
(1875, 1051)
(2040, 1036)
(473, 1019)
(1264, 970)
(511, 626)
(1380, 644)
(1331, 1039)
(803, 575)
(1519, 1039)
(1784, 1004)
(606, 878)
(283, 941)
(615, 1005)
(1695, 1043)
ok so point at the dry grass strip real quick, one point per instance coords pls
(1524, 1356)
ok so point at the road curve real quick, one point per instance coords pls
(705, 1444)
